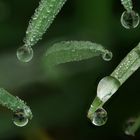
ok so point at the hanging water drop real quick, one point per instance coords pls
(100, 117)
(107, 87)
(107, 56)
(19, 118)
(25, 54)
(130, 19)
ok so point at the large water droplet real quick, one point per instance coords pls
(107, 87)
(107, 56)
(19, 118)
(130, 19)
(128, 125)
(100, 117)
(25, 54)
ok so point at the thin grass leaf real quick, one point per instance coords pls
(70, 51)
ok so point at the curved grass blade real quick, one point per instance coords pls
(128, 65)
(69, 51)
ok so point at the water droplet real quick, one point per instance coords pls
(100, 117)
(19, 118)
(130, 19)
(128, 125)
(107, 87)
(25, 54)
(107, 56)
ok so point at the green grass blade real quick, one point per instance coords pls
(69, 51)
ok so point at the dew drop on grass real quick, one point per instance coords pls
(107, 56)
(128, 125)
(107, 87)
(25, 54)
(130, 19)
(19, 118)
(100, 117)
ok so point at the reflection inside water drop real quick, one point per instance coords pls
(100, 117)
(130, 19)
(25, 54)
(19, 118)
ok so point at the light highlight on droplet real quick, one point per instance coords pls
(100, 117)
(107, 87)
(130, 19)
(24, 54)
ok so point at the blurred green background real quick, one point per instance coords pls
(60, 102)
